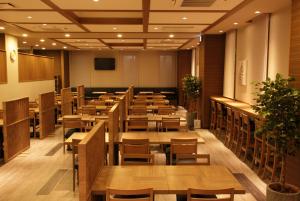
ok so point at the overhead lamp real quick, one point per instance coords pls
(171, 36)
(24, 35)
(67, 35)
(119, 35)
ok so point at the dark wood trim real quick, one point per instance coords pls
(66, 44)
(146, 9)
(102, 41)
(88, 20)
(125, 44)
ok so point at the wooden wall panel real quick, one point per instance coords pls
(3, 67)
(35, 68)
(80, 96)
(91, 152)
(211, 71)
(16, 132)
(184, 65)
(66, 101)
(113, 128)
(47, 114)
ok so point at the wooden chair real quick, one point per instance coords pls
(210, 195)
(220, 127)
(140, 123)
(1, 114)
(139, 110)
(159, 102)
(170, 123)
(88, 109)
(245, 139)
(75, 143)
(229, 127)
(136, 152)
(185, 152)
(126, 195)
(139, 102)
(71, 123)
(213, 116)
(166, 110)
(272, 161)
(236, 131)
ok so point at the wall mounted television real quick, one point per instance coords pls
(104, 63)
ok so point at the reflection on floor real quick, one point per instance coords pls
(43, 173)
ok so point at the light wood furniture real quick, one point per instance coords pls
(46, 114)
(236, 131)
(136, 152)
(113, 128)
(272, 161)
(166, 111)
(154, 96)
(75, 166)
(245, 133)
(140, 123)
(71, 122)
(229, 126)
(80, 96)
(88, 109)
(89, 168)
(3, 68)
(16, 134)
(164, 179)
(66, 101)
(220, 127)
(185, 150)
(170, 123)
(229, 194)
(138, 110)
(139, 103)
(125, 195)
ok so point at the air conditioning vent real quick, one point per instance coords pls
(197, 3)
(6, 5)
(53, 29)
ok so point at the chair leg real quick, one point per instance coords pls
(73, 179)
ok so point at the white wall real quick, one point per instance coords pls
(14, 89)
(140, 68)
(252, 47)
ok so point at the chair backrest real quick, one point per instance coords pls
(237, 119)
(166, 110)
(219, 109)
(140, 102)
(72, 122)
(88, 109)
(159, 102)
(213, 106)
(136, 151)
(1, 114)
(245, 124)
(75, 143)
(210, 195)
(135, 195)
(96, 102)
(170, 123)
(138, 122)
(139, 110)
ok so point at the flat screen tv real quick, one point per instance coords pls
(104, 63)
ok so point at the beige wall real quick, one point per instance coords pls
(14, 89)
(140, 68)
(252, 47)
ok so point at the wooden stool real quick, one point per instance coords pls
(259, 151)
(236, 131)
(245, 136)
(213, 116)
(229, 127)
(272, 162)
(220, 120)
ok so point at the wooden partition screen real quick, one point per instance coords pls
(3, 68)
(131, 93)
(16, 132)
(91, 152)
(113, 128)
(80, 96)
(122, 109)
(66, 101)
(47, 114)
(35, 68)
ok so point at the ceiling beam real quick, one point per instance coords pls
(145, 43)
(65, 44)
(146, 9)
(70, 16)
(125, 44)
(107, 45)
(110, 20)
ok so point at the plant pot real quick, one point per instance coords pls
(190, 117)
(274, 195)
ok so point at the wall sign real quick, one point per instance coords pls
(13, 55)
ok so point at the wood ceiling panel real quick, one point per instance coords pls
(87, 44)
(102, 4)
(123, 40)
(176, 41)
(170, 5)
(110, 28)
(176, 28)
(109, 14)
(164, 44)
(128, 47)
(176, 17)
(26, 4)
(51, 27)
(37, 17)
(74, 40)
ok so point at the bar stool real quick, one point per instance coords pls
(259, 151)
(236, 131)
(272, 162)
(220, 120)
(229, 127)
(213, 116)
(245, 136)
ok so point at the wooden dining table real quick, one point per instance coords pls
(85, 118)
(165, 179)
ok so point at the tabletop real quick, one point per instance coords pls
(165, 179)
(87, 118)
(155, 117)
(1, 122)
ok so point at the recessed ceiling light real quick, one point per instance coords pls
(78, 40)
(95, 0)
(67, 35)
(115, 28)
(2, 28)
(65, 47)
(29, 17)
(171, 36)
(54, 44)
(42, 40)
(24, 42)
(235, 23)
(119, 35)
(184, 18)
(44, 24)
(155, 28)
(123, 40)
(24, 35)
(43, 48)
(257, 12)
(221, 31)
(36, 45)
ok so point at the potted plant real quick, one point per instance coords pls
(279, 105)
(192, 89)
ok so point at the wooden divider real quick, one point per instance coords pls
(127, 103)
(122, 109)
(66, 101)
(16, 134)
(91, 152)
(131, 93)
(35, 68)
(113, 128)
(3, 67)
(80, 96)
(47, 114)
